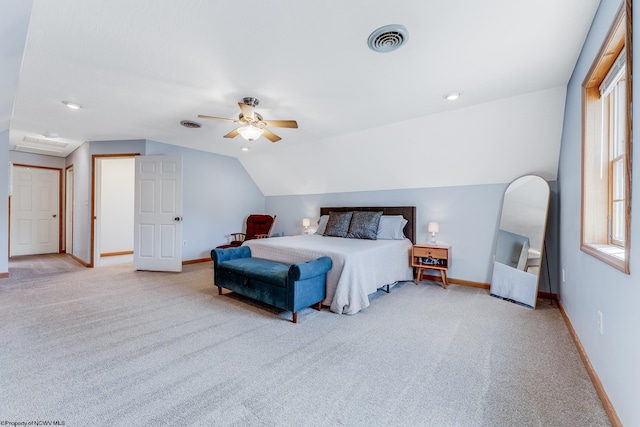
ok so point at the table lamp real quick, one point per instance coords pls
(433, 228)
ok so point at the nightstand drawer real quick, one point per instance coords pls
(438, 253)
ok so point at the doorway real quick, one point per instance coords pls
(113, 208)
(34, 211)
(69, 210)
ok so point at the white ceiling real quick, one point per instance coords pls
(139, 67)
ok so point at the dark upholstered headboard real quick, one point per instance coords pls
(408, 212)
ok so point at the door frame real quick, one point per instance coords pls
(69, 208)
(96, 192)
(60, 198)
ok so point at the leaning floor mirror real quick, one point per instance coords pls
(520, 243)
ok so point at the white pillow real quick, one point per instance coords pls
(391, 226)
(322, 224)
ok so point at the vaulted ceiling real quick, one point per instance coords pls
(367, 120)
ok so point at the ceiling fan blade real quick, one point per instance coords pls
(248, 111)
(271, 136)
(281, 123)
(201, 116)
(232, 134)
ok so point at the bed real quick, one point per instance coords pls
(360, 266)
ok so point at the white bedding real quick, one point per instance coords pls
(360, 266)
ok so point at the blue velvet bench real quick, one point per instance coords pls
(286, 286)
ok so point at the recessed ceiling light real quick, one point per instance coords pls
(245, 148)
(72, 105)
(451, 96)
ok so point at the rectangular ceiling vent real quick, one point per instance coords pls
(45, 141)
(39, 150)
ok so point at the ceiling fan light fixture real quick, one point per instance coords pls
(250, 132)
(252, 126)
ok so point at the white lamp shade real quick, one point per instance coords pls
(433, 227)
(306, 222)
(250, 133)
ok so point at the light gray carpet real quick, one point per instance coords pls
(110, 346)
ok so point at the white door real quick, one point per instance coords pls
(158, 213)
(35, 211)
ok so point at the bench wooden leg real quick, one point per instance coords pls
(219, 290)
(319, 306)
(295, 317)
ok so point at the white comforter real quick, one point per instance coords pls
(360, 266)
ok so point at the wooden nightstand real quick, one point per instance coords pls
(431, 257)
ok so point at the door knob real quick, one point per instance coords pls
(178, 218)
(54, 215)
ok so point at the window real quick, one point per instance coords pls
(606, 148)
(613, 94)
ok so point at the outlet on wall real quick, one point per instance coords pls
(184, 243)
(600, 323)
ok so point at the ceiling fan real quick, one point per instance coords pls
(252, 124)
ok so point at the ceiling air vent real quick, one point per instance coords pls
(191, 125)
(39, 150)
(44, 141)
(388, 38)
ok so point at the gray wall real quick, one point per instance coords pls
(81, 161)
(18, 157)
(82, 166)
(590, 285)
(468, 217)
(218, 194)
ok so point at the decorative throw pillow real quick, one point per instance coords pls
(338, 224)
(391, 227)
(364, 225)
(322, 224)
